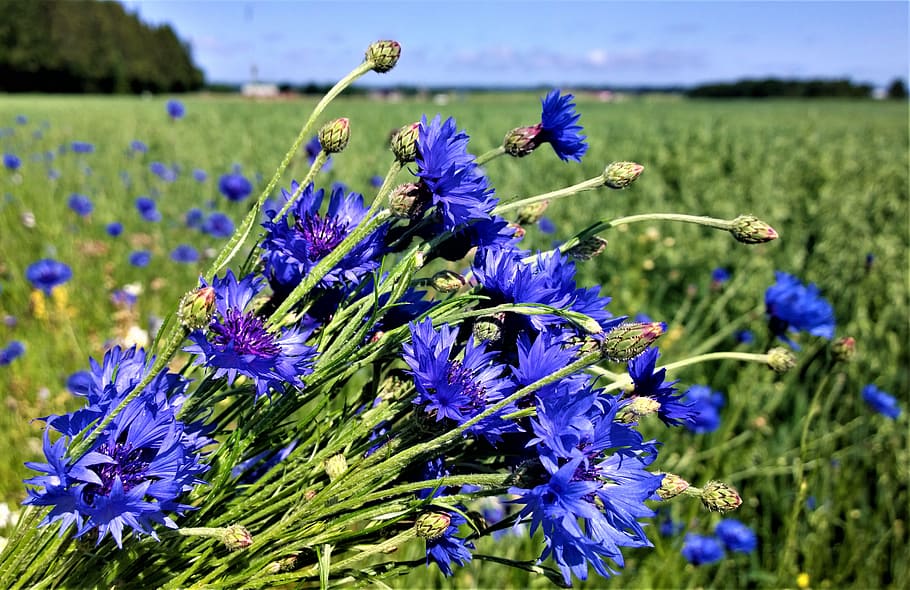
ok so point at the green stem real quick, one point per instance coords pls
(604, 225)
(383, 547)
(585, 185)
(321, 157)
(490, 155)
(625, 380)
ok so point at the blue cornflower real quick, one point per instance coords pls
(559, 128)
(148, 209)
(448, 548)
(195, 218)
(218, 225)
(136, 470)
(238, 343)
(199, 175)
(744, 336)
(881, 402)
(11, 161)
(184, 253)
(11, 352)
(673, 410)
(47, 274)
(454, 389)
(21, 119)
(235, 186)
(736, 536)
(546, 225)
(794, 307)
(312, 149)
(720, 275)
(666, 526)
(449, 176)
(296, 242)
(702, 550)
(124, 298)
(164, 172)
(80, 204)
(491, 233)
(175, 109)
(705, 405)
(82, 147)
(140, 258)
(137, 146)
(114, 229)
(376, 181)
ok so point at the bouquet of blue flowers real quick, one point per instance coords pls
(362, 376)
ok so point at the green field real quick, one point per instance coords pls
(831, 177)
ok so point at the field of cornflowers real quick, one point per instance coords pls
(135, 197)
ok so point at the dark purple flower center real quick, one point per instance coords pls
(129, 465)
(457, 374)
(322, 234)
(244, 333)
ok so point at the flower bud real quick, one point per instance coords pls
(404, 143)
(639, 406)
(432, 525)
(334, 135)
(717, 496)
(532, 213)
(752, 230)
(406, 201)
(395, 386)
(447, 281)
(196, 308)
(588, 248)
(383, 55)
(619, 175)
(671, 486)
(489, 328)
(844, 349)
(282, 565)
(781, 360)
(335, 466)
(628, 340)
(521, 141)
(236, 537)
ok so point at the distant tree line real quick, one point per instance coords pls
(81, 47)
(775, 87)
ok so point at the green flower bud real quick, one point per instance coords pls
(236, 537)
(335, 466)
(196, 308)
(619, 175)
(532, 213)
(404, 143)
(282, 565)
(334, 135)
(432, 525)
(588, 248)
(717, 496)
(489, 328)
(671, 486)
(395, 386)
(752, 230)
(639, 406)
(447, 281)
(406, 201)
(630, 339)
(521, 141)
(383, 55)
(844, 349)
(781, 360)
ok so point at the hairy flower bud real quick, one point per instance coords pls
(282, 565)
(532, 213)
(671, 486)
(236, 537)
(406, 201)
(619, 175)
(489, 328)
(521, 141)
(630, 339)
(432, 525)
(717, 496)
(844, 349)
(781, 360)
(383, 55)
(447, 281)
(404, 143)
(196, 308)
(752, 230)
(335, 466)
(588, 248)
(639, 406)
(334, 135)
(395, 386)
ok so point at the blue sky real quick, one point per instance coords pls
(543, 43)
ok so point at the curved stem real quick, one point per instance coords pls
(625, 380)
(490, 155)
(585, 185)
(604, 225)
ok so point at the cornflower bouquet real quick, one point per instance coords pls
(339, 390)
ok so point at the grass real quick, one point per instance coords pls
(831, 177)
